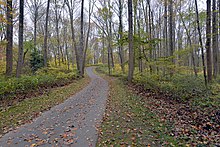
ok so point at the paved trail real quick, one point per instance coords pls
(72, 123)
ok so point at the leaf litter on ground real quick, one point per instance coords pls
(192, 124)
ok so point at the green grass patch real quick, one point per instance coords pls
(28, 109)
(128, 121)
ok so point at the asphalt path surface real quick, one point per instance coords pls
(72, 123)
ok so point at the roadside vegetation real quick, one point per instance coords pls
(127, 122)
(188, 111)
(16, 89)
(26, 110)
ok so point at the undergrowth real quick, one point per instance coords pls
(182, 87)
(42, 78)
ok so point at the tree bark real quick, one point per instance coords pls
(46, 34)
(201, 44)
(70, 8)
(171, 28)
(81, 48)
(208, 41)
(20, 43)
(215, 39)
(140, 66)
(9, 35)
(121, 51)
(130, 38)
(87, 35)
(35, 23)
(57, 32)
(218, 34)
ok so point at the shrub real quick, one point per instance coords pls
(44, 77)
(36, 61)
(182, 87)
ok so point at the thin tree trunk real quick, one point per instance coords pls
(150, 35)
(57, 33)
(218, 34)
(20, 34)
(87, 35)
(121, 51)
(190, 44)
(35, 23)
(139, 45)
(130, 38)
(9, 35)
(171, 28)
(215, 39)
(201, 44)
(110, 36)
(73, 37)
(81, 48)
(208, 41)
(103, 48)
(46, 34)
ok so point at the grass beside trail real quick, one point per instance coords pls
(127, 121)
(29, 109)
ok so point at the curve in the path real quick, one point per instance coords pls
(72, 123)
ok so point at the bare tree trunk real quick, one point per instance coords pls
(35, 23)
(46, 34)
(150, 34)
(201, 44)
(81, 48)
(87, 35)
(57, 33)
(109, 66)
(130, 38)
(208, 41)
(103, 48)
(121, 51)
(20, 34)
(171, 28)
(9, 35)
(139, 46)
(73, 34)
(110, 36)
(215, 39)
(218, 34)
(165, 34)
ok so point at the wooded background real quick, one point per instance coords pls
(162, 36)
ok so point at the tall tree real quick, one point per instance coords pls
(121, 51)
(190, 43)
(214, 39)
(71, 6)
(218, 34)
(201, 44)
(9, 37)
(171, 29)
(130, 39)
(81, 48)
(57, 21)
(91, 6)
(208, 41)
(36, 14)
(20, 35)
(46, 34)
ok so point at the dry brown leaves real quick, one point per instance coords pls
(194, 125)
